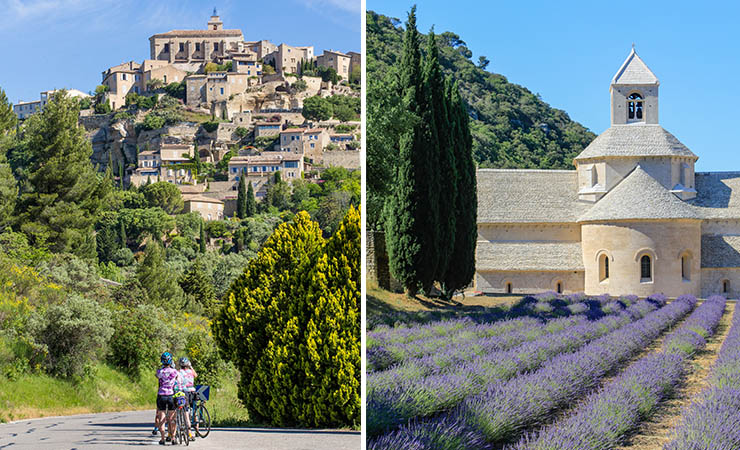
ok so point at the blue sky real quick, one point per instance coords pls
(569, 51)
(51, 44)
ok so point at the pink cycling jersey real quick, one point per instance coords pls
(188, 375)
(167, 378)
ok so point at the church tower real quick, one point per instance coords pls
(215, 22)
(634, 93)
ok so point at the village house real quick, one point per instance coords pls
(290, 165)
(267, 129)
(337, 61)
(209, 208)
(24, 109)
(287, 59)
(308, 142)
(632, 218)
(167, 163)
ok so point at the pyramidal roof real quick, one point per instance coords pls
(634, 71)
(637, 139)
(639, 196)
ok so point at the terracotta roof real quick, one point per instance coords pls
(528, 196)
(639, 196)
(720, 251)
(201, 198)
(199, 33)
(634, 71)
(259, 124)
(530, 255)
(314, 131)
(638, 139)
(292, 130)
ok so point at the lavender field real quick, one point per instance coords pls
(555, 372)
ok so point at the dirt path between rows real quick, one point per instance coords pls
(656, 431)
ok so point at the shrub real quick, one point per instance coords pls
(102, 107)
(176, 90)
(72, 333)
(122, 115)
(202, 351)
(300, 86)
(152, 122)
(210, 127)
(242, 132)
(140, 335)
(123, 257)
(164, 195)
(297, 344)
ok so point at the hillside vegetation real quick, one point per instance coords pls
(511, 126)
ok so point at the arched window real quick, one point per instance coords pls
(725, 286)
(634, 106)
(508, 288)
(603, 267)
(559, 287)
(646, 269)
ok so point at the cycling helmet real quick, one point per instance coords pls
(184, 362)
(166, 359)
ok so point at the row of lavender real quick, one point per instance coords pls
(395, 396)
(606, 416)
(503, 410)
(713, 422)
(387, 346)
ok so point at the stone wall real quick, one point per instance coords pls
(349, 159)
(494, 282)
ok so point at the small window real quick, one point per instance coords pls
(197, 46)
(646, 269)
(508, 288)
(215, 44)
(123, 77)
(182, 46)
(634, 107)
(726, 286)
(559, 287)
(603, 267)
(686, 268)
(166, 48)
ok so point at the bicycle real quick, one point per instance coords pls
(181, 430)
(201, 418)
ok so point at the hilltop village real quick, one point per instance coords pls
(209, 107)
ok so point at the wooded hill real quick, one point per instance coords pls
(511, 126)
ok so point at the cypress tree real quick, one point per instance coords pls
(444, 170)
(251, 203)
(120, 174)
(202, 243)
(122, 235)
(148, 180)
(157, 280)
(413, 216)
(461, 268)
(241, 199)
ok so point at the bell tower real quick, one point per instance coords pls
(215, 22)
(634, 93)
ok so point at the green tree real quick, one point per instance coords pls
(202, 239)
(164, 195)
(64, 193)
(296, 305)
(122, 235)
(241, 199)
(7, 116)
(344, 113)
(461, 267)
(412, 226)
(157, 279)
(251, 203)
(317, 108)
(198, 286)
(103, 106)
(8, 184)
(445, 172)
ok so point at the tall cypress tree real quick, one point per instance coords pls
(202, 242)
(461, 268)
(403, 242)
(122, 235)
(444, 170)
(251, 204)
(120, 175)
(241, 199)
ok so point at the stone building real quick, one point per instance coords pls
(170, 162)
(209, 208)
(194, 46)
(632, 218)
(290, 165)
(337, 61)
(24, 109)
(287, 59)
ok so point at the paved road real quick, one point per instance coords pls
(133, 429)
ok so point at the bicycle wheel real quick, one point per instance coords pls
(184, 432)
(203, 419)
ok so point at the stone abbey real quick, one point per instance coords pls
(632, 218)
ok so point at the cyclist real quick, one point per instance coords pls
(167, 376)
(188, 376)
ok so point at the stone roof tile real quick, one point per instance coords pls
(634, 71)
(528, 196)
(639, 196)
(717, 195)
(720, 251)
(637, 139)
